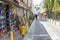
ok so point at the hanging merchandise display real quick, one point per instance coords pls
(28, 13)
(2, 18)
(20, 12)
(7, 15)
(14, 10)
(24, 27)
(15, 18)
(21, 24)
(11, 18)
(20, 15)
(26, 22)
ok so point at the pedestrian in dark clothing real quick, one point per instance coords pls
(36, 16)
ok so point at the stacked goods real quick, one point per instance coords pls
(23, 30)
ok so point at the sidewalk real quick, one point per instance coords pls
(55, 26)
(54, 22)
(52, 30)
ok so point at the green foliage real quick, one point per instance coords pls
(52, 6)
(56, 7)
(30, 17)
(48, 4)
(22, 23)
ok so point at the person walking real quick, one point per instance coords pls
(36, 16)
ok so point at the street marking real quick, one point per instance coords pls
(29, 39)
(41, 35)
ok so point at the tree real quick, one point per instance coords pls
(48, 5)
(56, 7)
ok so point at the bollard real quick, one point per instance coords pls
(59, 23)
(11, 35)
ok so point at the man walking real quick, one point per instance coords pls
(36, 16)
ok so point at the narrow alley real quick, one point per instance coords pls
(29, 19)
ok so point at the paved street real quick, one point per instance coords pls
(37, 32)
(41, 30)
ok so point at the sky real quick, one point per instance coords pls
(37, 2)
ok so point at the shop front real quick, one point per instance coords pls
(2, 17)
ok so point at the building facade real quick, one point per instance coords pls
(21, 9)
